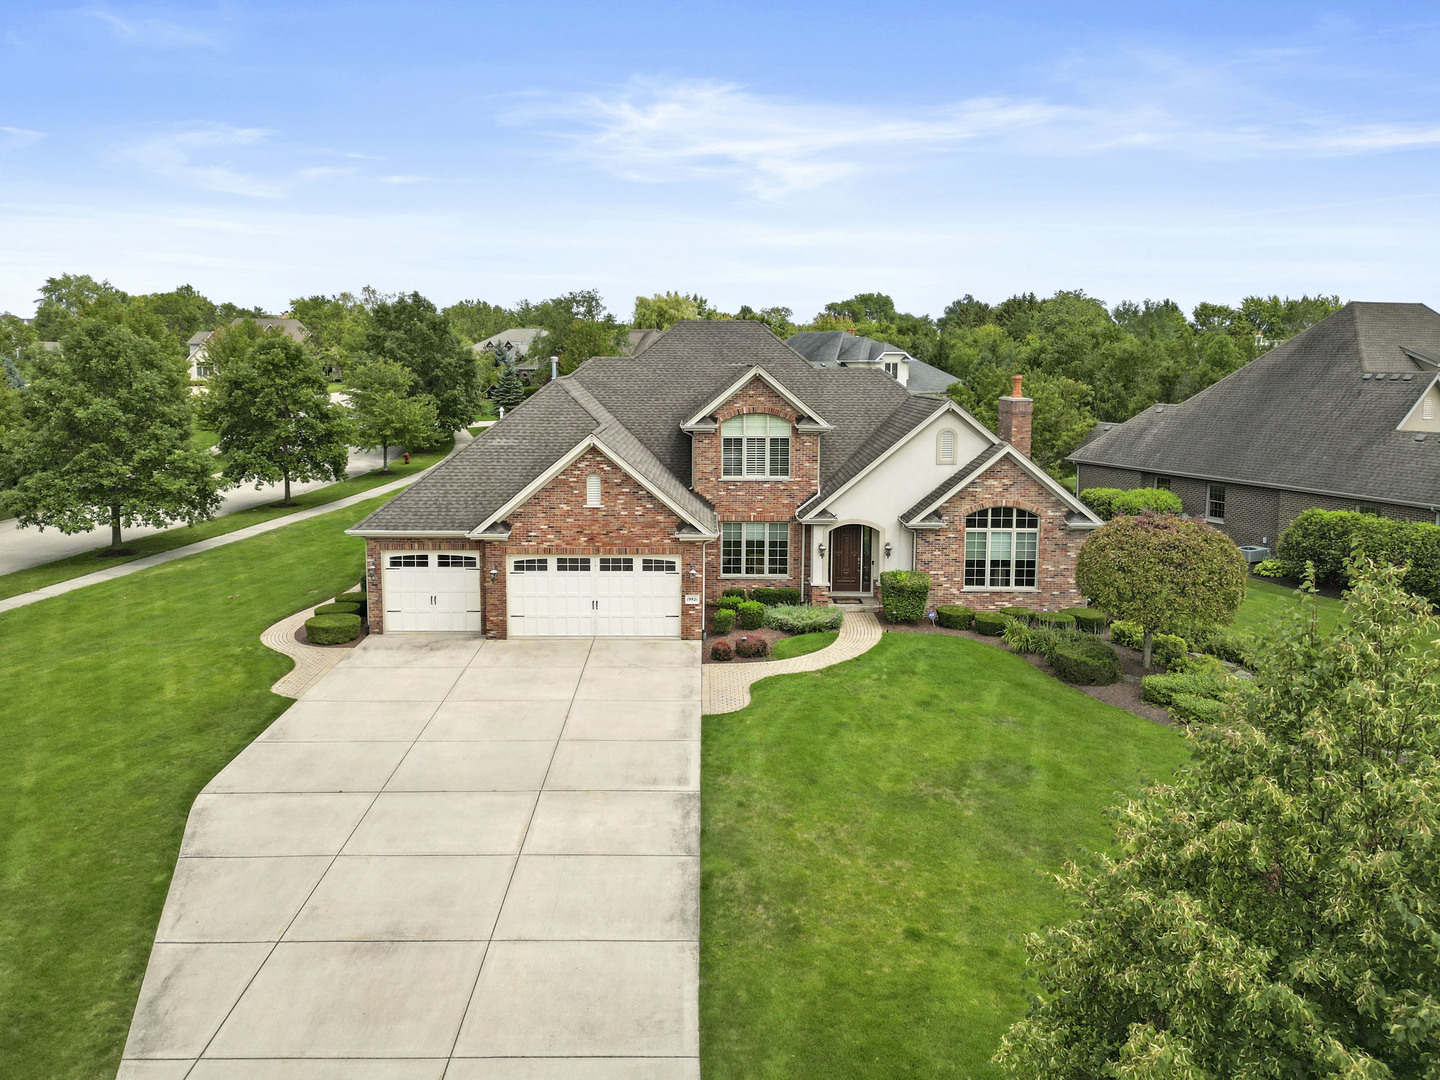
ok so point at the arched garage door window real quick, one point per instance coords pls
(1001, 543)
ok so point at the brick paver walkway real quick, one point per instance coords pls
(311, 662)
(726, 687)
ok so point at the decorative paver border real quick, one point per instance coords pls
(311, 662)
(725, 688)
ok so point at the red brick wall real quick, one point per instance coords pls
(1014, 421)
(755, 500)
(941, 552)
(630, 521)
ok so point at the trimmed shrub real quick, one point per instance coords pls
(1129, 634)
(733, 592)
(1270, 568)
(1200, 682)
(1024, 614)
(991, 623)
(721, 651)
(1091, 620)
(1168, 648)
(802, 619)
(1194, 709)
(332, 629)
(723, 621)
(1114, 502)
(338, 609)
(903, 594)
(1086, 661)
(1327, 537)
(354, 598)
(751, 614)
(730, 601)
(1058, 620)
(750, 648)
(776, 597)
(1232, 646)
(955, 616)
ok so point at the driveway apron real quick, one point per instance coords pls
(452, 859)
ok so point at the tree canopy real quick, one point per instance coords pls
(1168, 573)
(105, 437)
(271, 407)
(409, 330)
(385, 414)
(1271, 910)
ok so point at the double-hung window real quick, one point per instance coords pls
(754, 548)
(1001, 545)
(1215, 503)
(755, 445)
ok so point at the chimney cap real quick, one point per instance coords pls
(1015, 385)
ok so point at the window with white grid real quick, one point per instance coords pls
(755, 446)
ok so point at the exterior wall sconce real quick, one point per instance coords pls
(888, 549)
(822, 549)
(494, 573)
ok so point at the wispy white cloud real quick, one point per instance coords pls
(401, 179)
(13, 138)
(187, 156)
(774, 147)
(151, 33)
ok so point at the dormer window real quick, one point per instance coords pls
(755, 446)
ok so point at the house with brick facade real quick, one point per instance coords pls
(1344, 416)
(620, 499)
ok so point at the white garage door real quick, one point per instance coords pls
(594, 595)
(431, 590)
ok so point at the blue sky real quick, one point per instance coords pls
(754, 153)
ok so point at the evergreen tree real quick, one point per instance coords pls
(1274, 909)
(106, 437)
(509, 390)
(385, 414)
(272, 410)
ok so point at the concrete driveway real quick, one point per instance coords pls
(451, 858)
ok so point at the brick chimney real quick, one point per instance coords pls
(1014, 420)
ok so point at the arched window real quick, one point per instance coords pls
(592, 490)
(1000, 548)
(755, 445)
(945, 447)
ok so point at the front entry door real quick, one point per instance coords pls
(845, 559)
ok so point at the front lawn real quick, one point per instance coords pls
(875, 839)
(122, 700)
(87, 562)
(801, 644)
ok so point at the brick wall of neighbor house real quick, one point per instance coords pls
(374, 562)
(630, 521)
(941, 552)
(755, 500)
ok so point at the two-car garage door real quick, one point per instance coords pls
(593, 595)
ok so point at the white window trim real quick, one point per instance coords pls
(789, 553)
(1224, 501)
(1013, 532)
(769, 435)
(593, 489)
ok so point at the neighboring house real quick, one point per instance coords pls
(618, 498)
(837, 348)
(1345, 416)
(516, 345)
(640, 340)
(201, 368)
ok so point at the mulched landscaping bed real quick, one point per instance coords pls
(1124, 694)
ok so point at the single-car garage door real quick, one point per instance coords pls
(593, 595)
(431, 590)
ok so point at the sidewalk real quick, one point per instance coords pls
(60, 588)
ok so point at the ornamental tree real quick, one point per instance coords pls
(1271, 911)
(105, 437)
(385, 415)
(277, 424)
(1167, 573)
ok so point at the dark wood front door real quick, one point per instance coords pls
(845, 555)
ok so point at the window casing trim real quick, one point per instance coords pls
(755, 446)
(1001, 550)
(755, 549)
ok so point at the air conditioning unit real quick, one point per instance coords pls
(1255, 553)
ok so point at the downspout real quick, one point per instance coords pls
(704, 627)
(804, 551)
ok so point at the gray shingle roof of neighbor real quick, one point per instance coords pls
(640, 340)
(519, 340)
(928, 379)
(648, 397)
(836, 348)
(199, 337)
(1316, 414)
(292, 328)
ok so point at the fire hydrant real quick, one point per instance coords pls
(407, 457)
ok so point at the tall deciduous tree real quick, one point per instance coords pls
(106, 437)
(385, 413)
(1167, 573)
(408, 330)
(276, 422)
(1271, 911)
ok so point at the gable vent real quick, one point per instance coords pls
(592, 490)
(945, 451)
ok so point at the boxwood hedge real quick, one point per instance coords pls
(1086, 662)
(803, 619)
(1059, 620)
(1024, 614)
(776, 597)
(338, 608)
(1091, 620)
(903, 594)
(751, 614)
(955, 616)
(990, 623)
(723, 621)
(332, 629)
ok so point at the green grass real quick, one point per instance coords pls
(37, 577)
(1265, 601)
(122, 700)
(801, 644)
(875, 838)
(203, 438)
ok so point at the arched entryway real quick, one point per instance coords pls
(852, 559)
